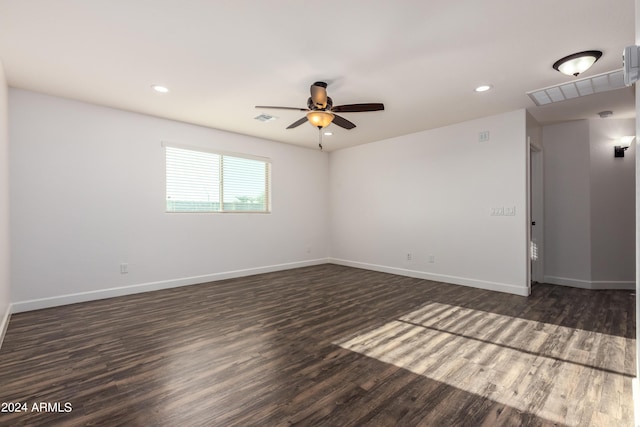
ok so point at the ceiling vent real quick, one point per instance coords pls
(582, 87)
(265, 118)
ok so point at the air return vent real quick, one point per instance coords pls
(582, 87)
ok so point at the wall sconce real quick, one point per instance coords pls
(625, 143)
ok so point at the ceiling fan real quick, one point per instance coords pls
(321, 111)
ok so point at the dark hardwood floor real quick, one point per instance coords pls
(325, 345)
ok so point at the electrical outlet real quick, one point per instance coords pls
(483, 136)
(432, 259)
(409, 257)
(124, 268)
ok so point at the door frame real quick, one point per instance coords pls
(535, 212)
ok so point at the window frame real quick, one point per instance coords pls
(268, 167)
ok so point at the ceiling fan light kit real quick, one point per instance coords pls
(320, 119)
(574, 64)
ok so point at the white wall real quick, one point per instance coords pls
(612, 203)
(589, 204)
(567, 204)
(87, 194)
(5, 295)
(431, 194)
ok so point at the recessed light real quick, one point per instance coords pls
(328, 133)
(160, 89)
(483, 88)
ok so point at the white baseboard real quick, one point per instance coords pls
(590, 284)
(37, 304)
(474, 283)
(4, 323)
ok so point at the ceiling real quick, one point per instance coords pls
(421, 58)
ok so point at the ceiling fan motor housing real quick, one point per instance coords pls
(319, 95)
(312, 106)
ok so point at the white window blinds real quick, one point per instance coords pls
(203, 181)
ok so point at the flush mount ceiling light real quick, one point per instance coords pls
(577, 63)
(160, 89)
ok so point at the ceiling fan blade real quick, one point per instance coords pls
(297, 123)
(281, 108)
(356, 108)
(342, 122)
(319, 94)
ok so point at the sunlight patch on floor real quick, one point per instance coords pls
(571, 376)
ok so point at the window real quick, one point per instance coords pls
(204, 181)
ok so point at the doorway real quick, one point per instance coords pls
(536, 214)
